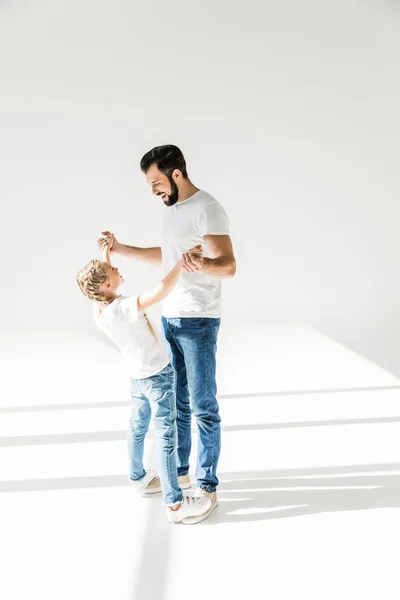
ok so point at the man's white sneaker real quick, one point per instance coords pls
(191, 507)
(154, 486)
(184, 482)
(200, 493)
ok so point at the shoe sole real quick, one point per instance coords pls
(184, 486)
(150, 492)
(194, 520)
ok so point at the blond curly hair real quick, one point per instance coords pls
(89, 280)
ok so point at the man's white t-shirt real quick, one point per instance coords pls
(185, 225)
(143, 348)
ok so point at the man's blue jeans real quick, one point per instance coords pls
(155, 395)
(193, 345)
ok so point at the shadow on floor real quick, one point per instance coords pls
(121, 435)
(248, 396)
(266, 495)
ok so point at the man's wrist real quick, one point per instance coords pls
(206, 262)
(117, 247)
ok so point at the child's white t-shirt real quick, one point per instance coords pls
(145, 353)
(185, 225)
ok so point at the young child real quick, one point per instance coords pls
(153, 380)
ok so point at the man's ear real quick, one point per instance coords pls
(176, 175)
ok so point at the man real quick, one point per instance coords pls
(191, 314)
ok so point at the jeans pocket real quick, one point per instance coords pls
(162, 383)
(167, 373)
(170, 373)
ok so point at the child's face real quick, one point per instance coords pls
(114, 278)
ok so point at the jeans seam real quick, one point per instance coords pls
(205, 342)
(168, 442)
(189, 436)
(138, 434)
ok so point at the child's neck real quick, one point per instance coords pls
(110, 300)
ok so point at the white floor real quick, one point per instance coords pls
(310, 477)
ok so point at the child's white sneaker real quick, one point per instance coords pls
(192, 507)
(141, 485)
(154, 486)
(184, 482)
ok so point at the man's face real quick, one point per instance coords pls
(162, 186)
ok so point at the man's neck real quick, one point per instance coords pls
(187, 190)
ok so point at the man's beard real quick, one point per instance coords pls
(174, 195)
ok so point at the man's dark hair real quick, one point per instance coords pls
(167, 158)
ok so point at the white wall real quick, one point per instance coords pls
(288, 112)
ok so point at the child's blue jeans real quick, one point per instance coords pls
(156, 396)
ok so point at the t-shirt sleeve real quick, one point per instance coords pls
(213, 220)
(128, 308)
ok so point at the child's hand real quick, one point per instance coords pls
(109, 240)
(196, 251)
(193, 260)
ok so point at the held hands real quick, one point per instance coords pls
(193, 260)
(109, 240)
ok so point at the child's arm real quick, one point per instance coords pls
(106, 248)
(164, 288)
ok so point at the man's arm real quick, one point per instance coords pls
(152, 255)
(223, 263)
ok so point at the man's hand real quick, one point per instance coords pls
(110, 241)
(192, 260)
